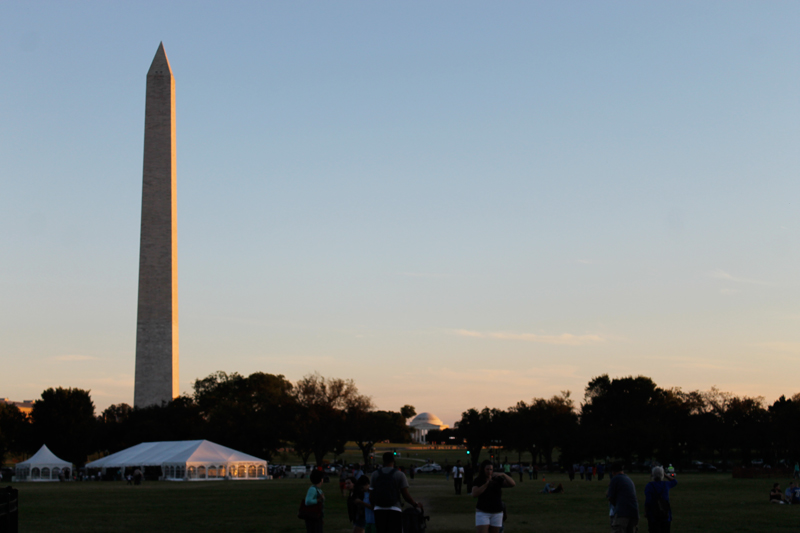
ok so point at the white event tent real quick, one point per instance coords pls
(43, 466)
(187, 460)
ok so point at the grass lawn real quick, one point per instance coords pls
(711, 502)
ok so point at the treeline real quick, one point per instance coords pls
(258, 414)
(634, 420)
(628, 418)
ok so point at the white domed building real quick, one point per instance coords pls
(423, 423)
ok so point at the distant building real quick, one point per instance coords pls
(26, 406)
(423, 423)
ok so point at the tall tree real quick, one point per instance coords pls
(252, 414)
(112, 428)
(320, 426)
(784, 430)
(63, 419)
(478, 429)
(621, 417)
(13, 430)
(543, 425)
(369, 427)
(408, 411)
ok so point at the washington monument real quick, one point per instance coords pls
(157, 319)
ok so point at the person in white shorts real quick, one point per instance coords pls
(488, 489)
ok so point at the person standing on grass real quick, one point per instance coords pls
(796, 470)
(488, 489)
(468, 476)
(458, 477)
(315, 496)
(360, 504)
(624, 504)
(659, 516)
(388, 485)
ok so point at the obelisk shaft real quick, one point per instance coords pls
(157, 320)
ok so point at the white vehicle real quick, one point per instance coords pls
(432, 467)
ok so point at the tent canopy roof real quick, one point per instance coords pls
(44, 457)
(180, 451)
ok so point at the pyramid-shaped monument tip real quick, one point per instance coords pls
(160, 64)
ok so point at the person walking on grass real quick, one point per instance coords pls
(656, 502)
(315, 496)
(458, 477)
(624, 504)
(388, 486)
(488, 489)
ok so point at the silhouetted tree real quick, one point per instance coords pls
(408, 411)
(478, 429)
(543, 425)
(112, 428)
(621, 417)
(64, 420)
(784, 427)
(13, 430)
(368, 427)
(252, 414)
(179, 419)
(320, 425)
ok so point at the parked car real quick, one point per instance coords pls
(705, 467)
(431, 467)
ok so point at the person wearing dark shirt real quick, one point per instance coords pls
(624, 505)
(388, 486)
(488, 489)
(656, 490)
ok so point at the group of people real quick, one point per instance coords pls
(790, 496)
(586, 471)
(374, 503)
(624, 505)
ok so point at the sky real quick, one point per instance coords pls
(455, 204)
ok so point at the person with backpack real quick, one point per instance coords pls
(388, 486)
(656, 504)
(313, 504)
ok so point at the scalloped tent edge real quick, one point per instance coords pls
(44, 465)
(187, 460)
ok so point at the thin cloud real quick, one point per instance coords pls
(420, 275)
(565, 339)
(721, 274)
(780, 346)
(75, 358)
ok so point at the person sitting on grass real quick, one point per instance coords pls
(775, 495)
(550, 489)
(792, 493)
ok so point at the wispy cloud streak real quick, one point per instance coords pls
(74, 358)
(721, 274)
(566, 339)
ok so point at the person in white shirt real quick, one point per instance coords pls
(458, 476)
